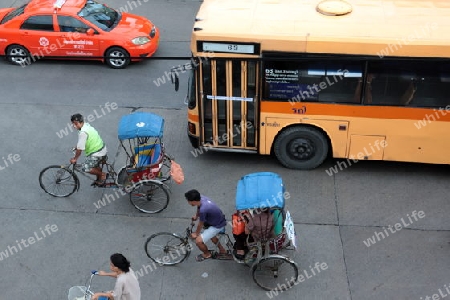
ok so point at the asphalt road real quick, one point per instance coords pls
(335, 216)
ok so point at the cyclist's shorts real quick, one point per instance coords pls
(211, 232)
(91, 162)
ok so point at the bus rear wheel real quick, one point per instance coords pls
(302, 148)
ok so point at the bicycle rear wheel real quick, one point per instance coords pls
(150, 197)
(275, 273)
(58, 181)
(167, 248)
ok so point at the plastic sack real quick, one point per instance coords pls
(238, 224)
(176, 172)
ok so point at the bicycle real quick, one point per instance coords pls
(84, 292)
(62, 181)
(169, 249)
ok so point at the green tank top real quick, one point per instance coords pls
(93, 142)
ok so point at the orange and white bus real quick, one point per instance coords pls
(362, 79)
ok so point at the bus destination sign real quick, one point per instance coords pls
(228, 47)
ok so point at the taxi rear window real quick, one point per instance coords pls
(14, 13)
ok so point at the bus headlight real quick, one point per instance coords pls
(141, 40)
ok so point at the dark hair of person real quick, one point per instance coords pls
(76, 117)
(192, 195)
(120, 262)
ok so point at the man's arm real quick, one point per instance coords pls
(77, 155)
(199, 224)
(81, 145)
(199, 227)
(197, 214)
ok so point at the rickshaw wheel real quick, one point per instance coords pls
(251, 256)
(150, 197)
(275, 273)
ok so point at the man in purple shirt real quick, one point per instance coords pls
(211, 217)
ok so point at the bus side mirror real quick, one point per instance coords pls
(175, 80)
(90, 32)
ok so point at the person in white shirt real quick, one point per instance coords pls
(127, 285)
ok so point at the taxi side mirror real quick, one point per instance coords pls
(90, 32)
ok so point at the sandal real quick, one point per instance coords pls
(99, 183)
(238, 256)
(200, 258)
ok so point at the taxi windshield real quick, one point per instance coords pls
(100, 15)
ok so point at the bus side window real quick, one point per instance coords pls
(388, 89)
(432, 91)
(336, 89)
(341, 84)
(409, 93)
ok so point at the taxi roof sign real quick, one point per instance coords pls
(59, 3)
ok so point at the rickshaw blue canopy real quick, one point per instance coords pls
(140, 124)
(260, 190)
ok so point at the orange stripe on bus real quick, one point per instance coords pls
(304, 109)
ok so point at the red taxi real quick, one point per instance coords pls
(75, 29)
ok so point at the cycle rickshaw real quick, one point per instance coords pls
(270, 269)
(144, 176)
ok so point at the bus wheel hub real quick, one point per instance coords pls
(301, 149)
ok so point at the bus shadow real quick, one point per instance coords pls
(375, 166)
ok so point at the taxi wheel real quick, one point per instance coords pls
(117, 58)
(18, 55)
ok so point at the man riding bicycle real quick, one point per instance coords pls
(211, 215)
(92, 144)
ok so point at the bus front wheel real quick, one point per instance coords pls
(301, 148)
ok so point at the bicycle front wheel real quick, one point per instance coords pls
(275, 273)
(58, 181)
(150, 197)
(167, 248)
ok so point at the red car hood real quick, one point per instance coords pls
(133, 25)
(4, 11)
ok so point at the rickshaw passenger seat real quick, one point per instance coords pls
(147, 154)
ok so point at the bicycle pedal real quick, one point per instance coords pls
(224, 256)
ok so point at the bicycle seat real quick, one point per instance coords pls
(104, 159)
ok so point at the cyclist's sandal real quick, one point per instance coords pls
(100, 182)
